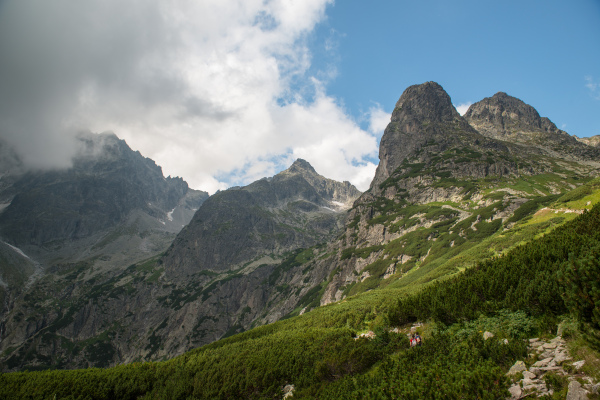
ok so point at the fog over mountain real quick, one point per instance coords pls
(214, 92)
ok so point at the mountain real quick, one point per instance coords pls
(235, 265)
(507, 118)
(112, 208)
(446, 184)
(450, 192)
(296, 208)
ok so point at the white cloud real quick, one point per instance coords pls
(378, 120)
(463, 107)
(212, 91)
(593, 86)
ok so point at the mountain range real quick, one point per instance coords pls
(110, 262)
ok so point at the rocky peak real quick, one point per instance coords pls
(502, 116)
(427, 101)
(302, 167)
(423, 116)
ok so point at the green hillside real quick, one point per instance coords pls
(545, 267)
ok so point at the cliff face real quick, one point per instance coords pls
(106, 183)
(507, 118)
(296, 208)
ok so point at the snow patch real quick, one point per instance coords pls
(19, 251)
(170, 215)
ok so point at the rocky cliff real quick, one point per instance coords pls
(296, 208)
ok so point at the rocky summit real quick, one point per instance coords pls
(296, 208)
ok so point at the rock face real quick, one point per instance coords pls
(507, 118)
(106, 183)
(423, 117)
(296, 208)
(112, 208)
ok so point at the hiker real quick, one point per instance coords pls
(413, 341)
(418, 340)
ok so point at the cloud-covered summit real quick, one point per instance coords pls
(207, 89)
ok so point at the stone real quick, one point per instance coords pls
(487, 335)
(536, 371)
(515, 391)
(543, 363)
(288, 391)
(533, 340)
(576, 391)
(550, 368)
(529, 375)
(528, 382)
(540, 349)
(561, 357)
(550, 346)
(579, 364)
(517, 367)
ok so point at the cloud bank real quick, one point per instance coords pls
(217, 92)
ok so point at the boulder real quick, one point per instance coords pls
(529, 375)
(515, 391)
(518, 366)
(576, 391)
(487, 335)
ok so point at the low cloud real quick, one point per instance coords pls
(212, 91)
(463, 107)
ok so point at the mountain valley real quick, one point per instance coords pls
(111, 263)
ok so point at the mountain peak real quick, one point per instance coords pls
(428, 101)
(300, 166)
(503, 115)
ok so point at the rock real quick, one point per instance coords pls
(543, 363)
(579, 364)
(529, 375)
(487, 335)
(515, 391)
(576, 392)
(517, 367)
(550, 346)
(288, 391)
(533, 340)
(561, 357)
(554, 368)
(528, 382)
(536, 371)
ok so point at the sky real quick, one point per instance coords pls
(225, 92)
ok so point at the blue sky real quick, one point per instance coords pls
(547, 53)
(225, 92)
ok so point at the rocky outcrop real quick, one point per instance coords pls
(294, 209)
(553, 357)
(507, 118)
(590, 141)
